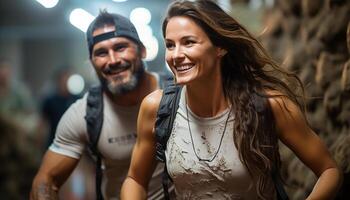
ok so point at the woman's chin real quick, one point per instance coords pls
(183, 80)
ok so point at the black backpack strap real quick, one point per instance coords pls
(98, 178)
(281, 193)
(94, 121)
(165, 118)
(165, 79)
(165, 183)
(163, 127)
(262, 107)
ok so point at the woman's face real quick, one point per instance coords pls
(189, 51)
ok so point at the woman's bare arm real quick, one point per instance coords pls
(143, 160)
(293, 131)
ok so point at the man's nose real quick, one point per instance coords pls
(113, 57)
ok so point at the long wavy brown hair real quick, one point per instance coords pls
(248, 72)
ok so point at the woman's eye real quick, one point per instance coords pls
(169, 45)
(189, 42)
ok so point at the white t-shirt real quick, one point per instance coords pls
(223, 178)
(117, 138)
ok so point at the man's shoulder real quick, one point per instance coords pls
(79, 106)
(81, 100)
(72, 123)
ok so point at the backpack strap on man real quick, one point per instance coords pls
(163, 127)
(94, 121)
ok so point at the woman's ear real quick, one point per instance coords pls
(222, 52)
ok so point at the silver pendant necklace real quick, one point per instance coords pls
(222, 136)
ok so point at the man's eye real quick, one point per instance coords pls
(120, 48)
(100, 53)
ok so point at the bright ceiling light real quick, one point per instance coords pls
(152, 47)
(81, 19)
(48, 3)
(119, 0)
(144, 31)
(140, 16)
(75, 84)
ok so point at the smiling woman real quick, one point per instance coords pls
(190, 53)
(235, 105)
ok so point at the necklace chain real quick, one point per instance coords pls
(222, 136)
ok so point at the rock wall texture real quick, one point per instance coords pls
(312, 39)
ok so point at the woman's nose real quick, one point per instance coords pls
(178, 55)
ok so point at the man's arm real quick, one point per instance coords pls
(143, 160)
(53, 172)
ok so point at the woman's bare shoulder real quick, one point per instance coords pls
(288, 115)
(280, 102)
(152, 100)
(150, 105)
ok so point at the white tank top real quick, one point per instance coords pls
(223, 178)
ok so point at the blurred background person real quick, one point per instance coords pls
(56, 101)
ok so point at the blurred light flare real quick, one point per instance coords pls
(48, 3)
(144, 31)
(81, 19)
(75, 84)
(140, 15)
(152, 48)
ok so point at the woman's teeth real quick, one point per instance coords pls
(184, 67)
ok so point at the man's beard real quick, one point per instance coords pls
(124, 88)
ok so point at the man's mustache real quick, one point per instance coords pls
(116, 68)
